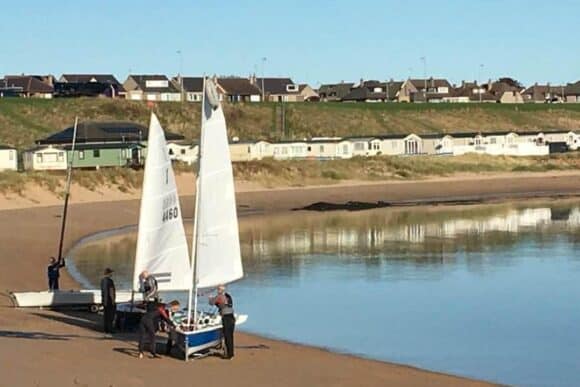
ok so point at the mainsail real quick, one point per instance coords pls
(161, 244)
(216, 244)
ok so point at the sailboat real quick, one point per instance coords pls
(161, 243)
(215, 257)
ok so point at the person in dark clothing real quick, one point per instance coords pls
(149, 325)
(225, 304)
(53, 272)
(149, 289)
(108, 299)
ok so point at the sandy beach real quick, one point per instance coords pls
(43, 348)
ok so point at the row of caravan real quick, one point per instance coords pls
(132, 154)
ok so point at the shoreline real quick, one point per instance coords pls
(34, 342)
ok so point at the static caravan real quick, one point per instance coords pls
(106, 155)
(249, 150)
(185, 153)
(365, 146)
(324, 148)
(287, 150)
(573, 140)
(8, 158)
(45, 158)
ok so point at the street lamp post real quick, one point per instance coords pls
(479, 80)
(424, 60)
(178, 52)
(263, 91)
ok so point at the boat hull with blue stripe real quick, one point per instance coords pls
(204, 339)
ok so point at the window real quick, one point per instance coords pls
(11, 155)
(39, 158)
(81, 155)
(60, 156)
(321, 148)
(359, 146)
(493, 140)
(345, 149)
(170, 151)
(96, 153)
(183, 151)
(309, 149)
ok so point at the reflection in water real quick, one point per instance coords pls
(473, 290)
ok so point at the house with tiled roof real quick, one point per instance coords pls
(572, 92)
(88, 85)
(308, 93)
(192, 87)
(373, 91)
(544, 93)
(425, 90)
(334, 92)
(29, 86)
(278, 89)
(470, 92)
(151, 88)
(505, 92)
(234, 89)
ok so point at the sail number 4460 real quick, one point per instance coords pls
(170, 213)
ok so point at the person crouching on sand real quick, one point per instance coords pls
(149, 325)
(53, 272)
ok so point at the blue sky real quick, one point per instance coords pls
(310, 40)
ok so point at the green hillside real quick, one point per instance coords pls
(24, 120)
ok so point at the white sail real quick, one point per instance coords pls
(161, 243)
(217, 244)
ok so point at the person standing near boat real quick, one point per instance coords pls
(225, 304)
(53, 272)
(108, 298)
(149, 325)
(149, 289)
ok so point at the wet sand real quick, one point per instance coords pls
(43, 348)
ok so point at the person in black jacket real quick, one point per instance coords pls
(149, 325)
(53, 272)
(108, 299)
(225, 304)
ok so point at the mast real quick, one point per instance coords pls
(67, 190)
(193, 287)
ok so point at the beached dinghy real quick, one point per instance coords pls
(216, 257)
(64, 298)
(161, 243)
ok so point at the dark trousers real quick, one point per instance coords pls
(147, 332)
(228, 324)
(108, 317)
(53, 283)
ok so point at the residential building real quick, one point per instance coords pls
(308, 93)
(151, 88)
(365, 146)
(425, 90)
(8, 158)
(89, 85)
(328, 148)
(250, 150)
(367, 91)
(100, 144)
(29, 86)
(544, 94)
(192, 87)
(238, 90)
(278, 89)
(401, 144)
(45, 158)
(469, 92)
(572, 92)
(184, 152)
(505, 92)
(334, 92)
(286, 150)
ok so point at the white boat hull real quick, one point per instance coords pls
(209, 337)
(64, 298)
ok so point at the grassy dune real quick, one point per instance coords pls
(24, 120)
(296, 173)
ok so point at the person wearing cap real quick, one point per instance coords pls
(149, 289)
(53, 272)
(225, 304)
(108, 299)
(149, 325)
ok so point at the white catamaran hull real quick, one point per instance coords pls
(202, 339)
(64, 298)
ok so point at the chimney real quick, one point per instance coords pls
(253, 79)
(489, 84)
(361, 82)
